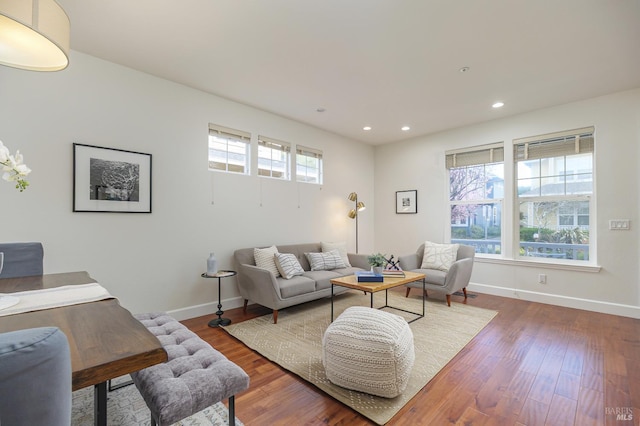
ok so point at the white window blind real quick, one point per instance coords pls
(484, 154)
(229, 149)
(578, 141)
(273, 158)
(308, 165)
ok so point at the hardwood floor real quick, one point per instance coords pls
(534, 364)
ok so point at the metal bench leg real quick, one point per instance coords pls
(232, 410)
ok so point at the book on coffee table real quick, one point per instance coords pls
(369, 277)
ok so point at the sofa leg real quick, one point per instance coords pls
(275, 316)
(408, 290)
(448, 300)
(464, 290)
(244, 309)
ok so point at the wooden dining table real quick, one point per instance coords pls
(105, 340)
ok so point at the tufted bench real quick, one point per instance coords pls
(194, 377)
(369, 351)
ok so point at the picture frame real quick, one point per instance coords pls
(110, 180)
(407, 202)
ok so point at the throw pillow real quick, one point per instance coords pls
(288, 265)
(265, 259)
(325, 261)
(439, 256)
(341, 247)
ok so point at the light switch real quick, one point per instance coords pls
(619, 224)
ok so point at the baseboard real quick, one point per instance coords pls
(206, 308)
(554, 299)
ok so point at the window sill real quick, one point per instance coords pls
(539, 264)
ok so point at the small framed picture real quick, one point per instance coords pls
(111, 180)
(407, 202)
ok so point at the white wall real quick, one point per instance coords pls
(419, 164)
(153, 261)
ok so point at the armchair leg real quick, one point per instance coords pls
(464, 290)
(275, 316)
(408, 290)
(448, 300)
(244, 309)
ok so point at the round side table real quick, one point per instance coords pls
(216, 322)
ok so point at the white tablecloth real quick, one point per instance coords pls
(35, 300)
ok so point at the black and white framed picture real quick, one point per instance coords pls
(111, 180)
(406, 201)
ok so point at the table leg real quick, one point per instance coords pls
(100, 404)
(332, 302)
(219, 321)
(372, 299)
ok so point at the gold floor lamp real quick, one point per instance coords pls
(353, 213)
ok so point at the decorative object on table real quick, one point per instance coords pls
(212, 265)
(353, 213)
(219, 275)
(111, 180)
(407, 202)
(369, 277)
(34, 36)
(377, 261)
(13, 167)
(393, 264)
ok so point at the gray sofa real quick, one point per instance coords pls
(447, 282)
(262, 287)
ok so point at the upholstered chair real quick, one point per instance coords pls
(35, 378)
(21, 259)
(449, 281)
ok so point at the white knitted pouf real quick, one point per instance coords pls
(370, 351)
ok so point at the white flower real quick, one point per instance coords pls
(13, 167)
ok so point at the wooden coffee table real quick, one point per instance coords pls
(351, 281)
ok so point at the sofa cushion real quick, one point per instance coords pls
(439, 256)
(295, 286)
(340, 246)
(288, 265)
(432, 276)
(325, 261)
(265, 259)
(322, 278)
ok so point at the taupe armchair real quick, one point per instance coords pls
(448, 282)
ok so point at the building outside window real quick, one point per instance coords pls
(229, 150)
(476, 193)
(274, 158)
(554, 181)
(308, 165)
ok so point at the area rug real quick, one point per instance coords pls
(295, 343)
(125, 407)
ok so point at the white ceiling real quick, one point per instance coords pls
(380, 63)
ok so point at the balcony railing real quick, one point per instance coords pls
(532, 249)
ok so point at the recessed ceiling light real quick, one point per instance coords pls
(320, 109)
(464, 69)
(498, 104)
(405, 128)
(366, 128)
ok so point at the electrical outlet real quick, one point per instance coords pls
(542, 278)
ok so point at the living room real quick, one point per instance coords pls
(153, 262)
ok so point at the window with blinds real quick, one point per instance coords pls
(308, 165)
(554, 181)
(229, 150)
(273, 158)
(476, 194)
